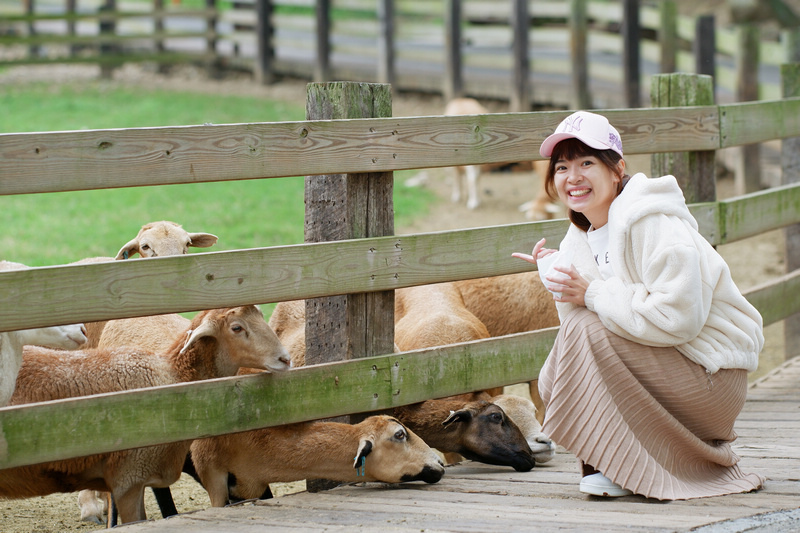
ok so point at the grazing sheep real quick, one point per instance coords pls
(240, 466)
(477, 430)
(67, 337)
(217, 344)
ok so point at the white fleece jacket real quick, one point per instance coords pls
(671, 287)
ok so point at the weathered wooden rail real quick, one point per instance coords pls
(38, 162)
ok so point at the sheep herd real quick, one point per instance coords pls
(110, 356)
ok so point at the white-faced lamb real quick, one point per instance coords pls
(155, 239)
(240, 466)
(217, 344)
(67, 337)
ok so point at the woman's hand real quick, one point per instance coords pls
(570, 284)
(539, 251)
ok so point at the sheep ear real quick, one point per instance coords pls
(364, 449)
(462, 415)
(128, 250)
(205, 329)
(202, 240)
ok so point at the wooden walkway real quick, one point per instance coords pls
(482, 498)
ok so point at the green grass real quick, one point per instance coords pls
(58, 228)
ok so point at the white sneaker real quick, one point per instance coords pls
(600, 485)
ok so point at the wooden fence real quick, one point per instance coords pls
(364, 150)
(576, 54)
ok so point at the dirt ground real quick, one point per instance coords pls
(502, 193)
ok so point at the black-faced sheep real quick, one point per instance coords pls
(511, 304)
(240, 466)
(217, 344)
(480, 431)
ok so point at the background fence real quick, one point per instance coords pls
(367, 151)
(577, 54)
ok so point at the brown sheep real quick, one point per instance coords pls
(217, 344)
(240, 466)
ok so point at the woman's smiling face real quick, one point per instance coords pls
(588, 186)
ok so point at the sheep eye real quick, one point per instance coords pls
(497, 417)
(400, 434)
(145, 247)
(237, 328)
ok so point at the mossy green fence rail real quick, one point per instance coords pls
(80, 160)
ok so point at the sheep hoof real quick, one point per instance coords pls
(94, 519)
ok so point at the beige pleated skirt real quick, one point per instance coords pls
(648, 418)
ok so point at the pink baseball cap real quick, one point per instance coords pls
(593, 130)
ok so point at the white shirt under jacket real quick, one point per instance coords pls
(671, 287)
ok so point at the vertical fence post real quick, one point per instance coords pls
(386, 72)
(693, 170)
(348, 206)
(71, 12)
(520, 86)
(705, 47)
(747, 175)
(107, 29)
(30, 10)
(453, 80)
(790, 173)
(631, 36)
(158, 28)
(265, 62)
(211, 29)
(578, 30)
(322, 66)
(668, 35)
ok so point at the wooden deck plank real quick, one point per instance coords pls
(483, 498)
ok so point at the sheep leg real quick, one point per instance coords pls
(473, 173)
(165, 502)
(457, 176)
(130, 504)
(533, 387)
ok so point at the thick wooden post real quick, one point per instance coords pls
(265, 62)
(322, 66)
(348, 206)
(693, 170)
(747, 175)
(668, 36)
(386, 63)
(578, 30)
(631, 37)
(790, 173)
(453, 79)
(705, 47)
(520, 85)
